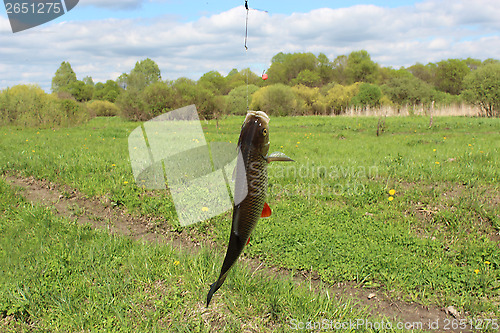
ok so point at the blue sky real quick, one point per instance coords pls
(104, 38)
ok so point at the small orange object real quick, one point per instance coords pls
(264, 76)
(266, 211)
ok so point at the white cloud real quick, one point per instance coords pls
(112, 4)
(427, 32)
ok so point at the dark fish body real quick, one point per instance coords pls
(250, 188)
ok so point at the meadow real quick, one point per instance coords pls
(413, 213)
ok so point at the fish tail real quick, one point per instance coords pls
(233, 251)
(213, 289)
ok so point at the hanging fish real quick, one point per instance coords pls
(250, 188)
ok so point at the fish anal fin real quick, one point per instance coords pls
(266, 211)
(278, 157)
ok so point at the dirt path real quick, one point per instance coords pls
(70, 203)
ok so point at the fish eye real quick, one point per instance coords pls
(264, 131)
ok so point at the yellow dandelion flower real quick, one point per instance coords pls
(390, 198)
(476, 271)
(27, 140)
(482, 152)
(437, 163)
(37, 132)
(177, 262)
(392, 192)
(281, 146)
(487, 262)
(32, 151)
(113, 164)
(298, 142)
(434, 149)
(444, 138)
(296, 146)
(125, 182)
(470, 145)
(204, 209)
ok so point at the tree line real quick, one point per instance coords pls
(296, 84)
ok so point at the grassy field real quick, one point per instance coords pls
(434, 241)
(59, 276)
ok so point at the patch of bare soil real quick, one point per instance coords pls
(449, 195)
(74, 205)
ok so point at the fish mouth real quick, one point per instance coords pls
(259, 114)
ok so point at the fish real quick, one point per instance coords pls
(250, 188)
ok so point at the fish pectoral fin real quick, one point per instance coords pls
(278, 157)
(266, 211)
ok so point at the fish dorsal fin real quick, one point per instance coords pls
(278, 156)
(266, 211)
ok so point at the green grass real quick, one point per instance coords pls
(59, 276)
(434, 243)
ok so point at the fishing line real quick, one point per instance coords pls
(246, 47)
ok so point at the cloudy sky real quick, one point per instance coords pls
(104, 38)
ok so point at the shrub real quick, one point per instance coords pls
(338, 98)
(103, 109)
(482, 87)
(30, 106)
(368, 95)
(236, 100)
(276, 100)
(309, 100)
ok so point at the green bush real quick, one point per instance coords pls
(309, 100)
(236, 100)
(276, 100)
(482, 87)
(103, 109)
(368, 95)
(30, 106)
(338, 98)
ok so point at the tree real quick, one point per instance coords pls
(88, 81)
(450, 75)
(408, 90)
(426, 73)
(215, 82)
(287, 66)
(236, 100)
(368, 95)
(63, 77)
(360, 68)
(143, 74)
(159, 98)
(307, 78)
(108, 91)
(324, 69)
(339, 69)
(482, 87)
(79, 90)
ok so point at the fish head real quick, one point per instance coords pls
(255, 131)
